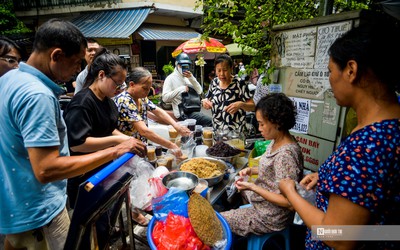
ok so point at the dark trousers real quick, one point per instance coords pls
(201, 119)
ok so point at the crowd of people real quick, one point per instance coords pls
(47, 153)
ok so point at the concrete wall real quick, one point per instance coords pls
(300, 55)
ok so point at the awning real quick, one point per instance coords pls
(111, 24)
(165, 32)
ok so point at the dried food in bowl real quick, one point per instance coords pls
(207, 168)
(183, 180)
(222, 149)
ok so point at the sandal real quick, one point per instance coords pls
(140, 220)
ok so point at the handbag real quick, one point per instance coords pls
(165, 106)
(191, 102)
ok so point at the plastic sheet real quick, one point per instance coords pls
(175, 201)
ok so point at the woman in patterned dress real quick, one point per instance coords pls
(133, 106)
(359, 184)
(228, 97)
(283, 159)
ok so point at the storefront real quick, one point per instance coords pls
(124, 32)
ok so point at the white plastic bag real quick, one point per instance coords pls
(140, 191)
(308, 195)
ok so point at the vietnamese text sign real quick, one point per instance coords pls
(303, 107)
(315, 150)
(326, 35)
(307, 83)
(297, 47)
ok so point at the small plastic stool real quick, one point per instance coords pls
(256, 242)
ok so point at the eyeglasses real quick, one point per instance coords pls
(10, 60)
(118, 86)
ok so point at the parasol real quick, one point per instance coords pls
(235, 49)
(207, 48)
(202, 49)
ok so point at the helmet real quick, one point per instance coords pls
(183, 58)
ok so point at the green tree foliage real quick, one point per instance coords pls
(249, 22)
(9, 23)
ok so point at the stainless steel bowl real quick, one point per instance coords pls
(230, 159)
(183, 180)
(213, 180)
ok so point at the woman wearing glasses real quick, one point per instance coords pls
(91, 116)
(10, 55)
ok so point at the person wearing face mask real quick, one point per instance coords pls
(178, 82)
(10, 55)
(91, 50)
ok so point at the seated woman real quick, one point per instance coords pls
(270, 211)
(228, 97)
(133, 106)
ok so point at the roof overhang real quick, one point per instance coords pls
(111, 23)
(166, 32)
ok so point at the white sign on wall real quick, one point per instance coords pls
(326, 35)
(303, 107)
(307, 83)
(297, 47)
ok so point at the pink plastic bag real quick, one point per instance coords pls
(157, 189)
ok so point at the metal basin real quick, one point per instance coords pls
(216, 179)
(183, 180)
(230, 159)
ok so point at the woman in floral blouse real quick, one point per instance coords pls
(133, 106)
(282, 159)
(228, 97)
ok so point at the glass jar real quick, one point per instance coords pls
(236, 140)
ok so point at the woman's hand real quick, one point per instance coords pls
(207, 104)
(176, 151)
(286, 186)
(310, 181)
(182, 130)
(132, 145)
(233, 107)
(245, 172)
(244, 185)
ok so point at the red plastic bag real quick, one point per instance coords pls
(176, 233)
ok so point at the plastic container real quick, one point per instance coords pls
(208, 133)
(202, 188)
(172, 133)
(151, 153)
(225, 227)
(191, 124)
(209, 142)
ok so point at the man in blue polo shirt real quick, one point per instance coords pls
(35, 160)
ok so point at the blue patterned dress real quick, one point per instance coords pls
(365, 169)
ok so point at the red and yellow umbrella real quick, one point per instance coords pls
(198, 45)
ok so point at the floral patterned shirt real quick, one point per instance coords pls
(221, 98)
(365, 169)
(129, 113)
